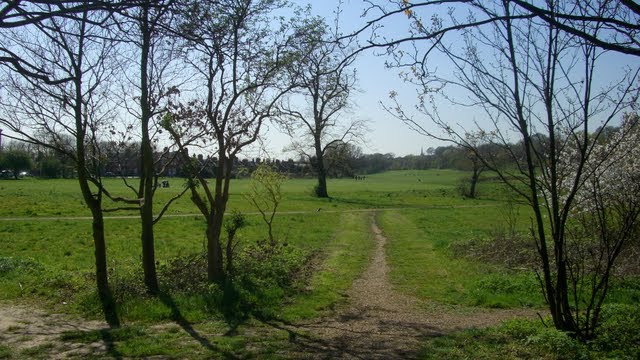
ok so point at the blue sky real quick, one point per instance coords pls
(389, 135)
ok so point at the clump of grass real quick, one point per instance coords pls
(9, 264)
(617, 338)
(184, 274)
(512, 251)
(5, 352)
(38, 352)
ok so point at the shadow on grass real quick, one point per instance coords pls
(113, 320)
(179, 319)
(339, 339)
(109, 343)
(109, 309)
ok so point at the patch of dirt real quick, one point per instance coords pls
(28, 330)
(380, 323)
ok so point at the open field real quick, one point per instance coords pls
(61, 198)
(46, 262)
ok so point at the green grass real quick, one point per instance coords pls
(346, 255)
(46, 198)
(422, 265)
(37, 352)
(5, 352)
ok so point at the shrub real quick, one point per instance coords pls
(619, 331)
(127, 284)
(184, 274)
(557, 342)
(264, 275)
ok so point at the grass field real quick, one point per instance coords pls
(46, 198)
(46, 255)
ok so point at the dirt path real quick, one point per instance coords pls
(33, 332)
(380, 323)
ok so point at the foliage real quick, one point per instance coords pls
(518, 339)
(619, 332)
(185, 274)
(50, 167)
(265, 275)
(16, 161)
(265, 193)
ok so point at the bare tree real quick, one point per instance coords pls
(265, 194)
(530, 78)
(325, 80)
(610, 25)
(146, 33)
(238, 58)
(19, 14)
(67, 117)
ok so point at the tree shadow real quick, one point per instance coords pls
(109, 343)
(353, 343)
(178, 318)
(110, 311)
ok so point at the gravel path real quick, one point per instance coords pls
(380, 323)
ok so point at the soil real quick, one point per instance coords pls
(377, 322)
(25, 328)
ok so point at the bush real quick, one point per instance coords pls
(265, 273)
(184, 274)
(619, 331)
(550, 340)
(127, 284)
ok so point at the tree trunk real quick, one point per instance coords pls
(102, 282)
(146, 162)
(474, 182)
(215, 259)
(148, 242)
(321, 189)
(94, 203)
(215, 268)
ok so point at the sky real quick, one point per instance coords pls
(387, 134)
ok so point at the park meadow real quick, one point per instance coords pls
(456, 258)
